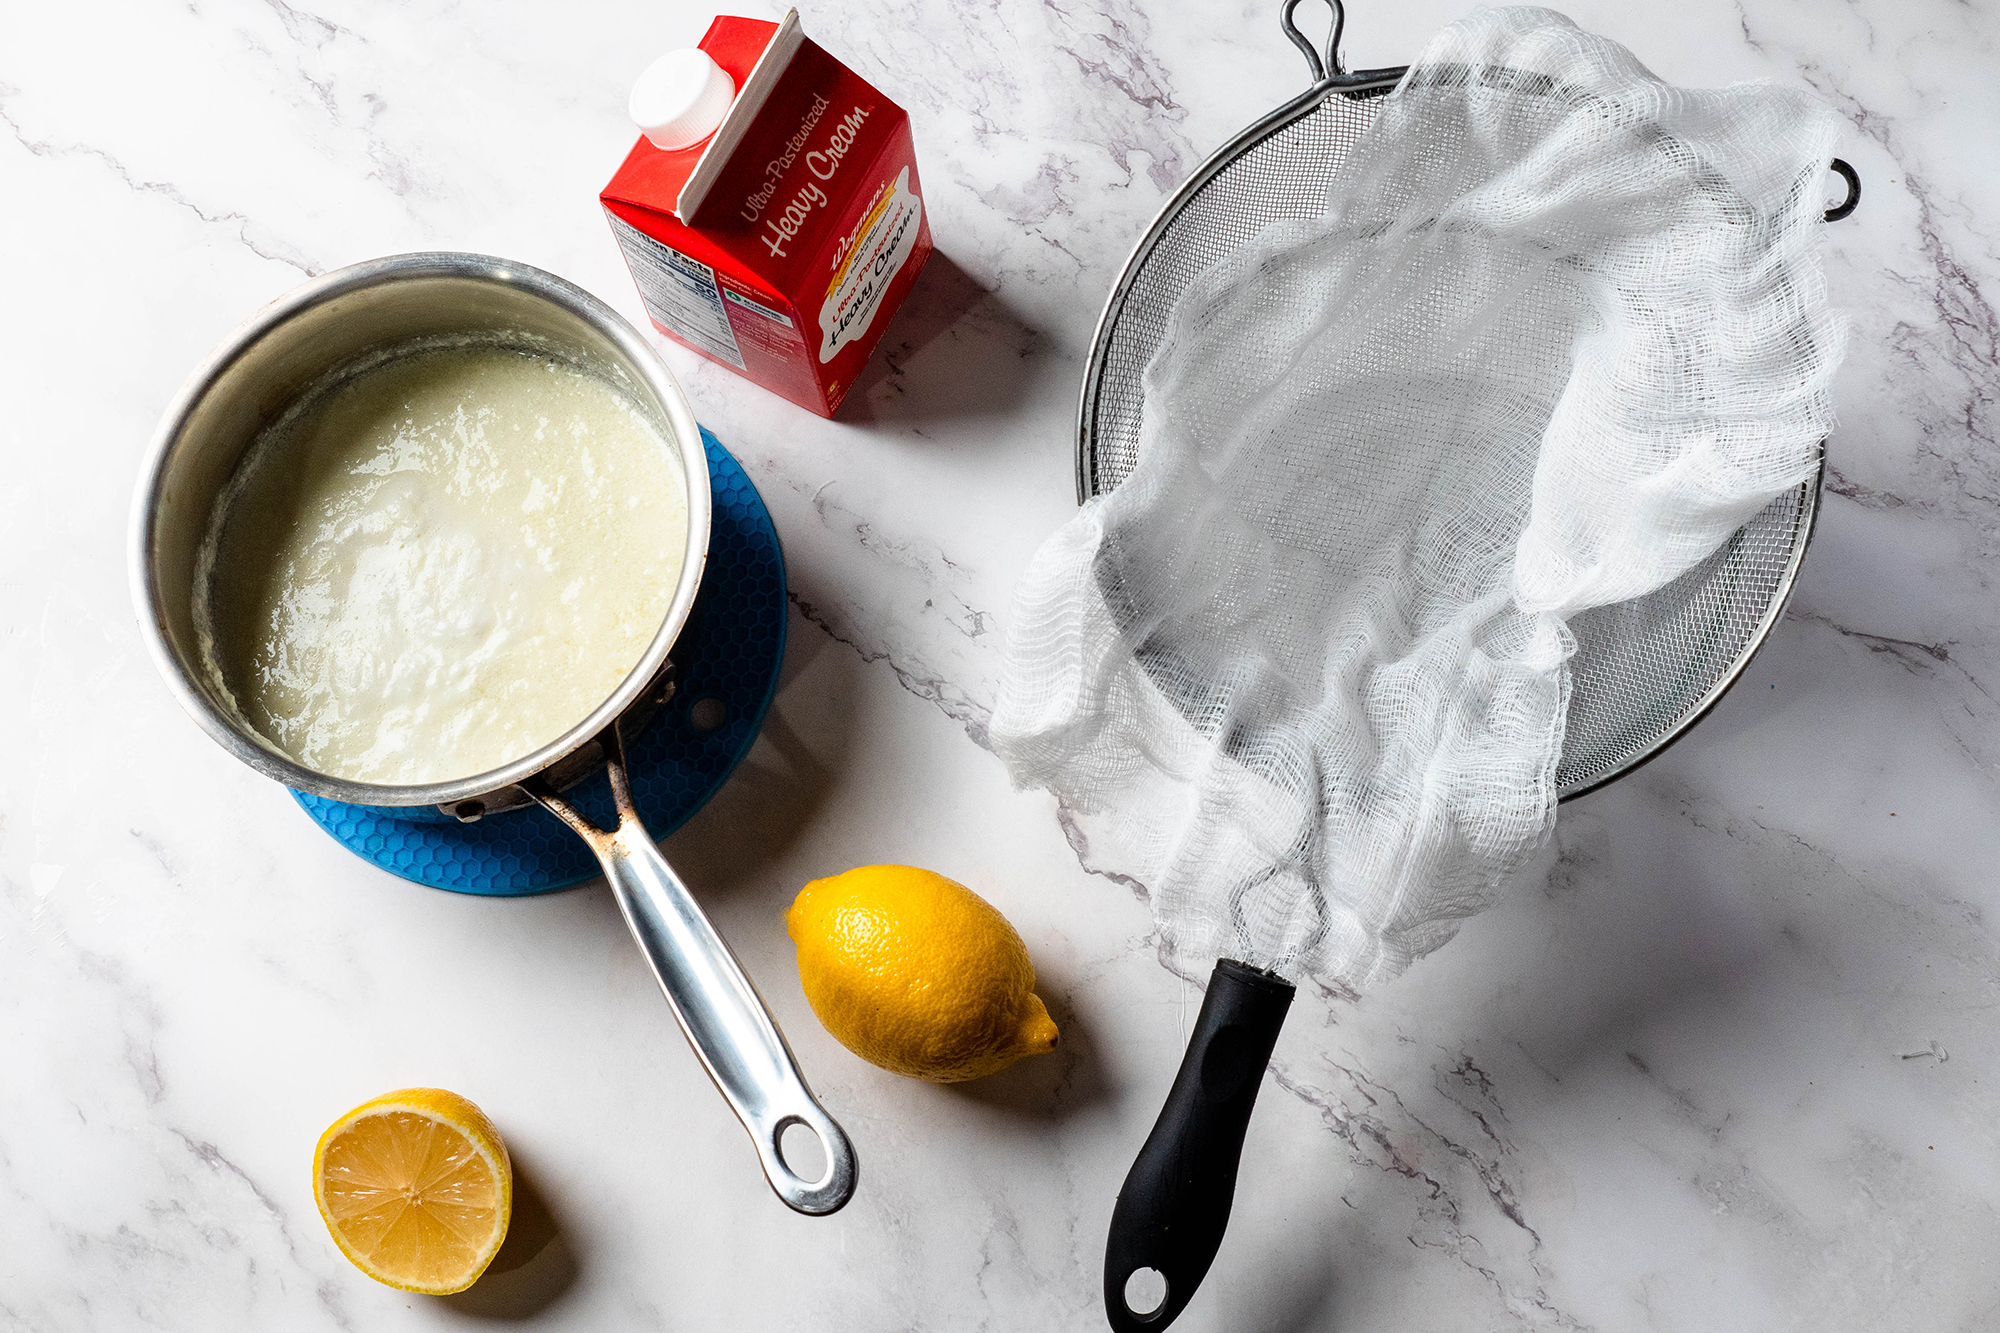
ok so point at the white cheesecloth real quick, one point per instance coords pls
(1559, 332)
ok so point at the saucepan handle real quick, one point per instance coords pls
(726, 1021)
(1175, 1204)
(720, 1011)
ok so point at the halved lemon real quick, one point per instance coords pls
(416, 1188)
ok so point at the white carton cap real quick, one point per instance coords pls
(681, 98)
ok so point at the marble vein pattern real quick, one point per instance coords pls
(1723, 1059)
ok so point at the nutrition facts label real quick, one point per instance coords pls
(680, 293)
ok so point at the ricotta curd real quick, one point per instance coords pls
(440, 564)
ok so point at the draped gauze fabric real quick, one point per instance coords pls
(1559, 332)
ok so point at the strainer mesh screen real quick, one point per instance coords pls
(1643, 668)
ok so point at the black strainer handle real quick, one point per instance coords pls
(1321, 68)
(1175, 1204)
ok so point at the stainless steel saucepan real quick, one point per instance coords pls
(356, 315)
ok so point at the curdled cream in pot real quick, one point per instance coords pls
(439, 564)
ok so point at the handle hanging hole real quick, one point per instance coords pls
(803, 1152)
(1146, 1292)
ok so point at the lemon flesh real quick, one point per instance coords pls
(416, 1188)
(917, 974)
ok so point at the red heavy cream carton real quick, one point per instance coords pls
(770, 214)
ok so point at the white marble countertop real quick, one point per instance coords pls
(1725, 1060)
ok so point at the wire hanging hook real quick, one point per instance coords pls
(1845, 206)
(1321, 69)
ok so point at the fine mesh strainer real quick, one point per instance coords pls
(1645, 670)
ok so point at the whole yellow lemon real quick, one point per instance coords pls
(917, 974)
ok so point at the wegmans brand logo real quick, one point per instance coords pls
(865, 263)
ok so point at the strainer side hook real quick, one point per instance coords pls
(1330, 65)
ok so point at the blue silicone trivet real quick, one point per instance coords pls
(730, 651)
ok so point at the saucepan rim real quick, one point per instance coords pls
(159, 473)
